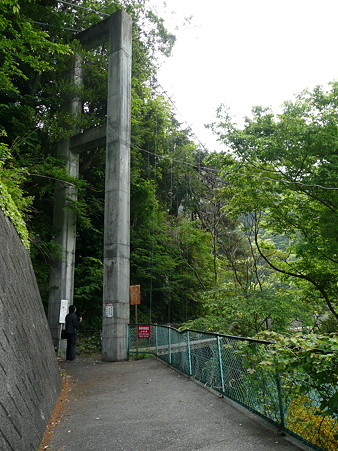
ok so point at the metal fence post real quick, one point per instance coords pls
(156, 339)
(169, 344)
(220, 363)
(128, 340)
(189, 353)
(280, 401)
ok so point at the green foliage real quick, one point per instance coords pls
(232, 311)
(283, 172)
(89, 343)
(26, 52)
(12, 201)
(141, 356)
(89, 275)
(304, 367)
(309, 365)
(169, 258)
(238, 254)
(24, 47)
(34, 91)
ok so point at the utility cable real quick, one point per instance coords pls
(54, 26)
(189, 127)
(193, 165)
(238, 174)
(162, 89)
(178, 111)
(83, 7)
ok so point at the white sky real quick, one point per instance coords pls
(244, 53)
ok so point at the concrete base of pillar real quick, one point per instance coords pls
(62, 348)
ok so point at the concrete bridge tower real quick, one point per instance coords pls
(116, 135)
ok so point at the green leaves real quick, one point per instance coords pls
(12, 201)
(24, 47)
(309, 363)
(283, 172)
(246, 312)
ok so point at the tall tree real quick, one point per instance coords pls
(26, 53)
(283, 170)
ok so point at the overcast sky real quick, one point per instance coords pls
(244, 53)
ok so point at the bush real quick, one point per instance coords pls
(89, 343)
(308, 421)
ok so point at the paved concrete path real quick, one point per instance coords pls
(146, 406)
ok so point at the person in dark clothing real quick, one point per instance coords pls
(72, 327)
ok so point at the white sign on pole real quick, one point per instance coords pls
(109, 309)
(63, 310)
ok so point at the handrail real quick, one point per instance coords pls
(235, 337)
(227, 365)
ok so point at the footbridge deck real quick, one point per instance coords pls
(144, 405)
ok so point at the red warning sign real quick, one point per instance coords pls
(143, 332)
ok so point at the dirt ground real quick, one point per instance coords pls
(64, 398)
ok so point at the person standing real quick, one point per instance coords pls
(72, 327)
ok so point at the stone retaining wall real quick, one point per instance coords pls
(29, 375)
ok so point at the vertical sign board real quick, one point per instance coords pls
(63, 311)
(135, 294)
(143, 332)
(108, 309)
(135, 298)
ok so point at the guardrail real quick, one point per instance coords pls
(230, 365)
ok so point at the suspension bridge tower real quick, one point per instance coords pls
(116, 29)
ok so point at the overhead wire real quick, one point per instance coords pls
(169, 98)
(74, 6)
(238, 174)
(184, 121)
(54, 26)
(83, 7)
(172, 102)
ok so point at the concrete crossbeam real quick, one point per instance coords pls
(95, 137)
(95, 35)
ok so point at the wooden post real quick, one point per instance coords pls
(135, 299)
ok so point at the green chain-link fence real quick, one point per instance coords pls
(231, 366)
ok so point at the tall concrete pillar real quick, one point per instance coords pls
(117, 192)
(61, 283)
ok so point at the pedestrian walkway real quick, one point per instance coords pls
(144, 405)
